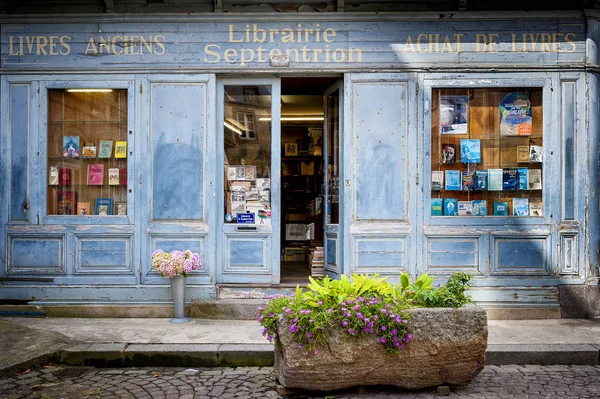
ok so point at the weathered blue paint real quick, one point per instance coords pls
(331, 254)
(518, 255)
(19, 141)
(246, 253)
(569, 145)
(109, 255)
(380, 129)
(380, 254)
(453, 253)
(177, 134)
(36, 255)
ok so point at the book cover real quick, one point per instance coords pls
(250, 173)
(105, 150)
(515, 115)
(480, 179)
(104, 206)
(523, 153)
(500, 209)
(536, 208)
(520, 206)
(84, 208)
(453, 180)
(263, 182)
(95, 175)
(437, 180)
(113, 176)
(66, 202)
(523, 178)
(467, 181)
(64, 176)
(450, 206)
(88, 150)
(121, 208)
(465, 208)
(238, 202)
(53, 176)
(240, 173)
(510, 179)
(436, 206)
(70, 146)
(494, 179)
(535, 179)
(123, 176)
(121, 149)
(536, 153)
(454, 114)
(470, 150)
(479, 207)
(231, 173)
(448, 153)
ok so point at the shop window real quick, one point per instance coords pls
(247, 144)
(87, 152)
(486, 152)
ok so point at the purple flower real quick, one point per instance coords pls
(383, 328)
(356, 307)
(345, 323)
(270, 338)
(382, 340)
(315, 351)
(330, 311)
(293, 328)
(405, 321)
(264, 331)
(309, 334)
(359, 315)
(367, 320)
(351, 331)
(299, 346)
(394, 331)
(271, 314)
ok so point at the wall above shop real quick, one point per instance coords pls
(278, 6)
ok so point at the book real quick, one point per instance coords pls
(450, 206)
(454, 114)
(510, 179)
(64, 176)
(53, 176)
(250, 173)
(263, 182)
(66, 202)
(479, 207)
(467, 181)
(448, 153)
(465, 208)
(231, 173)
(88, 150)
(123, 176)
(453, 181)
(520, 206)
(500, 209)
(437, 180)
(494, 180)
(536, 208)
(95, 175)
(535, 179)
(470, 150)
(105, 150)
(523, 177)
(113, 176)
(121, 149)
(536, 153)
(238, 202)
(84, 208)
(523, 153)
(240, 173)
(121, 208)
(480, 179)
(70, 147)
(515, 115)
(436, 206)
(104, 206)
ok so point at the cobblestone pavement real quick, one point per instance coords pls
(253, 382)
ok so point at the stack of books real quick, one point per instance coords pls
(317, 262)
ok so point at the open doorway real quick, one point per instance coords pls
(302, 177)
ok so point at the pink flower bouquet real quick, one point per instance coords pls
(175, 263)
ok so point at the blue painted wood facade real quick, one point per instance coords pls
(174, 70)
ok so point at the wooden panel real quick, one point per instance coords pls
(19, 160)
(36, 255)
(178, 128)
(569, 145)
(380, 128)
(247, 256)
(103, 255)
(446, 255)
(520, 256)
(383, 255)
(331, 257)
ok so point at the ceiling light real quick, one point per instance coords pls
(295, 118)
(89, 90)
(231, 127)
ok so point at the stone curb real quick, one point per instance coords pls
(542, 354)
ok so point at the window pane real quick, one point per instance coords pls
(247, 128)
(87, 152)
(486, 152)
(333, 154)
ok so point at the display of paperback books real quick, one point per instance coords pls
(436, 206)
(95, 175)
(515, 115)
(121, 149)
(521, 206)
(480, 178)
(123, 176)
(523, 177)
(500, 209)
(479, 207)
(523, 153)
(104, 206)
(317, 262)
(113, 176)
(536, 208)
(470, 151)
(465, 208)
(88, 150)
(84, 208)
(66, 202)
(105, 150)
(495, 179)
(535, 179)
(448, 153)
(437, 180)
(64, 176)
(53, 176)
(121, 208)
(450, 207)
(536, 153)
(453, 181)
(467, 181)
(510, 179)
(70, 147)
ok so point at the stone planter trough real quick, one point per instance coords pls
(448, 348)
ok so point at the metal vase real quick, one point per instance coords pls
(178, 290)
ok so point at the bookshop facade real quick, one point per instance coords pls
(277, 148)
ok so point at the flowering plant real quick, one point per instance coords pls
(361, 306)
(175, 263)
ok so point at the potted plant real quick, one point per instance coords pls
(176, 265)
(366, 331)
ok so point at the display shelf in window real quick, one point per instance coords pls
(487, 152)
(87, 135)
